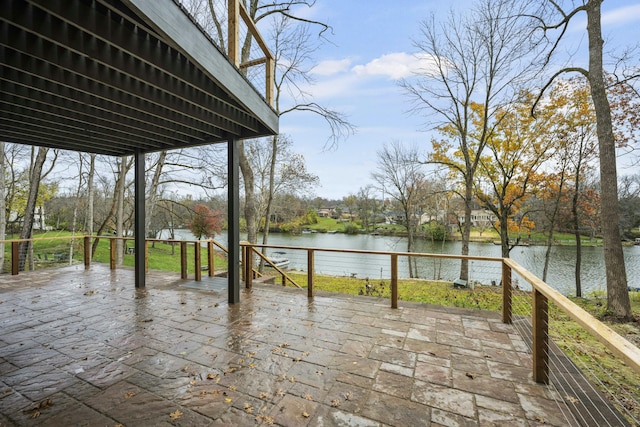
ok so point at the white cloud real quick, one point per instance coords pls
(621, 15)
(332, 66)
(395, 66)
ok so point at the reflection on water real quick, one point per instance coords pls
(561, 268)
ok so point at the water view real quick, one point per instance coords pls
(560, 276)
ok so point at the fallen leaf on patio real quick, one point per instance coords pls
(318, 373)
(292, 379)
(230, 371)
(297, 359)
(186, 368)
(308, 396)
(305, 414)
(129, 395)
(146, 320)
(193, 382)
(248, 408)
(119, 425)
(572, 399)
(211, 375)
(267, 419)
(38, 408)
(227, 399)
(282, 377)
(91, 292)
(175, 415)
(540, 419)
(280, 392)
(470, 375)
(253, 353)
(335, 403)
(264, 395)
(233, 387)
(347, 395)
(306, 353)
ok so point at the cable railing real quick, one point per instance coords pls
(581, 357)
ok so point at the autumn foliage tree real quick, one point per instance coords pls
(205, 222)
(508, 171)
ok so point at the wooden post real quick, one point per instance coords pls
(197, 261)
(183, 260)
(394, 281)
(15, 257)
(87, 252)
(112, 254)
(540, 331)
(243, 254)
(233, 37)
(210, 257)
(146, 256)
(507, 294)
(269, 77)
(248, 279)
(310, 268)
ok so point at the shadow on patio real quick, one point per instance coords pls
(85, 348)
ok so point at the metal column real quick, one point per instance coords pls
(233, 218)
(139, 220)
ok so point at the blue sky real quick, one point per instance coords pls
(372, 48)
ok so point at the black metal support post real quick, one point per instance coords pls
(233, 218)
(139, 220)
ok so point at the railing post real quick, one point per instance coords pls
(248, 279)
(233, 37)
(146, 256)
(112, 254)
(540, 331)
(394, 281)
(243, 261)
(15, 257)
(507, 297)
(183, 260)
(310, 268)
(197, 261)
(87, 252)
(210, 257)
(269, 77)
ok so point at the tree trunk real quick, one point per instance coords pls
(27, 225)
(119, 196)
(267, 213)
(90, 193)
(3, 206)
(466, 227)
(552, 224)
(617, 293)
(153, 191)
(249, 194)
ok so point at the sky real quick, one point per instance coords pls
(357, 73)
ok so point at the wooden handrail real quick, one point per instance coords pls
(607, 336)
(268, 261)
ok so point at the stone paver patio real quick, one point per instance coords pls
(84, 348)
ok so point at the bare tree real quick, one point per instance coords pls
(476, 63)
(399, 173)
(36, 174)
(617, 295)
(293, 47)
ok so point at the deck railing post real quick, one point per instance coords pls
(197, 261)
(507, 294)
(394, 281)
(210, 257)
(248, 279)
(540, 331)
(183, 260)
(310, 268)
(112, 254)
(87, 252)
(15, 257)
(146, 256)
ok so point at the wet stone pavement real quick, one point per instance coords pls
(84, 348)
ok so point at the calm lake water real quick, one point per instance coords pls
(561, 269)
